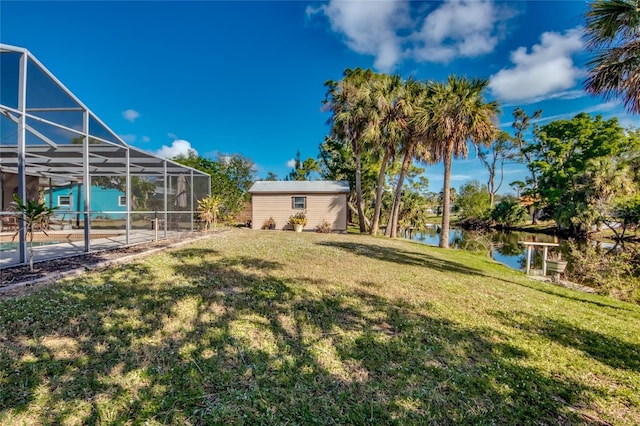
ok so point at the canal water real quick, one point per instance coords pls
(500, 245)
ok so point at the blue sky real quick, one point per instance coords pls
(248, 77)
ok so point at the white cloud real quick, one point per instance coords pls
(565, 94)
(130, 115)
(146, 139)
(457, 178)
(542, 72)
(178, 147)
(291, 163)
(172, 135)
(600, 108)
(605, 106)
(387, 30)
(369, 27)
(439, 177)
(128, 138)
(458, 29)
(629, 122)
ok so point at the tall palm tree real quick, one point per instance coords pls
(348, 100)
(388, 122)
(412, 146)
(613, 34)
(451, 114)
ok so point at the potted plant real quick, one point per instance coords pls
(269, 223)
(555, 264)
(298, 221)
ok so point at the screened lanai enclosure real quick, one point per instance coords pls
(105, 193)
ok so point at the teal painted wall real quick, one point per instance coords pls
(102, 200)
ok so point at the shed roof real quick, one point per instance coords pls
(300, 186)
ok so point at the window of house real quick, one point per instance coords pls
(122, 200)
(64, 200)
(299, 203)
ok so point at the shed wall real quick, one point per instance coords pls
(332, 207)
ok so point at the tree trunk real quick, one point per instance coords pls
(534, 213)
(490, 186)
(446, 202)
(392, 229)
(353, 210)
(361, 218)
(376, 212)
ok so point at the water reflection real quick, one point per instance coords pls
(499, 245)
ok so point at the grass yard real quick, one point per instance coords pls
(268, 327)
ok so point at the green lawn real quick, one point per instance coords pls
(272, 327)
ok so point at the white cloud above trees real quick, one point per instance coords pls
(178, 147)
(458, 29)
(369, 27)
(544, 71)
(391, 31)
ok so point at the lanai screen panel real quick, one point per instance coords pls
(108, 195)
(201, 187)
(67, 147)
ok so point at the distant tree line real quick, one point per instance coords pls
(385, 129)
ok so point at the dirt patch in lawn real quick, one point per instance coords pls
(19, 280)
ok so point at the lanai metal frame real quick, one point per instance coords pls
(48, 134)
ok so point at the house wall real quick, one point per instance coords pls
(102, 199)
(332, 207)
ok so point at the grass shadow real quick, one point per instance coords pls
(609, 350)
(401, 256)
(577, 296)
(228, 339)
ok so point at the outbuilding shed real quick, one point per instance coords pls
(321, 200)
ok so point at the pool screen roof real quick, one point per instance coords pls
(56, 123)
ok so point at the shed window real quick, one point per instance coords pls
(299, 203)
(122, 200)
(64, 200)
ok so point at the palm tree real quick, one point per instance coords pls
(385, 130)
(450, 115)
(412, 146)
(348, 100)
(613, 34)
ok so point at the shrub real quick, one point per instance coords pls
(509, 213)
(269, 223)
(473, 201)
(208, 208)
(324, 227)
(614, 272)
